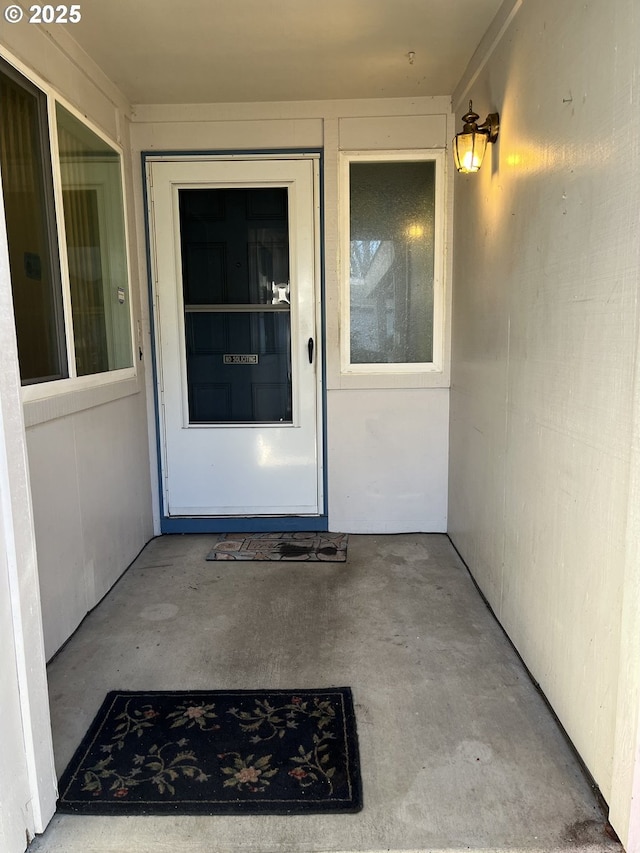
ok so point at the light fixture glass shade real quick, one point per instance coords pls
(468, 150)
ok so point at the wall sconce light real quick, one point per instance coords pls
(469, 145)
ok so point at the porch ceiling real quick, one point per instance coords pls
(209, 51)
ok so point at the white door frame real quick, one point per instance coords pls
(170, 524)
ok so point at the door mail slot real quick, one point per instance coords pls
(239, 359)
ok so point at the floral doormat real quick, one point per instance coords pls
(217, 752)
(326, 547)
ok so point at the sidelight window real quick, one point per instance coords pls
(393, 275)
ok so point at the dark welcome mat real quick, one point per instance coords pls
(217, 752)
(326, 547)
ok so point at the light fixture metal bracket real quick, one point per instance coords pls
(490, 126)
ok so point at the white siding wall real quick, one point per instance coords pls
(16, 818)
(88, 451)
(27, 773)
(387, 441)
(544, 354)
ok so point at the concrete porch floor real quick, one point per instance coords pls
(458, 750)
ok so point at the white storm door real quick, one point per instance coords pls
(235, 308)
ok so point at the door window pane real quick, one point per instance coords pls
(392, 212)
(235, 245)
(239, 367)
(28, 198)
(96, 247)
(235, 279)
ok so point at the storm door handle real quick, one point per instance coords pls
(310, 348)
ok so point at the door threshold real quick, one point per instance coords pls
(254, 524)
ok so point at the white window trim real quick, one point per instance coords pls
(420, 372)
(90, 388)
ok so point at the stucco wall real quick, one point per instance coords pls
(88, 449)
(387, 439)
(544, 352)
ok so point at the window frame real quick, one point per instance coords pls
(420, 371)
(106, 199)
(34, 391)
(50, 219)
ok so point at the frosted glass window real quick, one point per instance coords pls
(391, 269)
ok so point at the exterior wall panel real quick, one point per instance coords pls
(88, 449)
(411, 471)
(545, 325)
